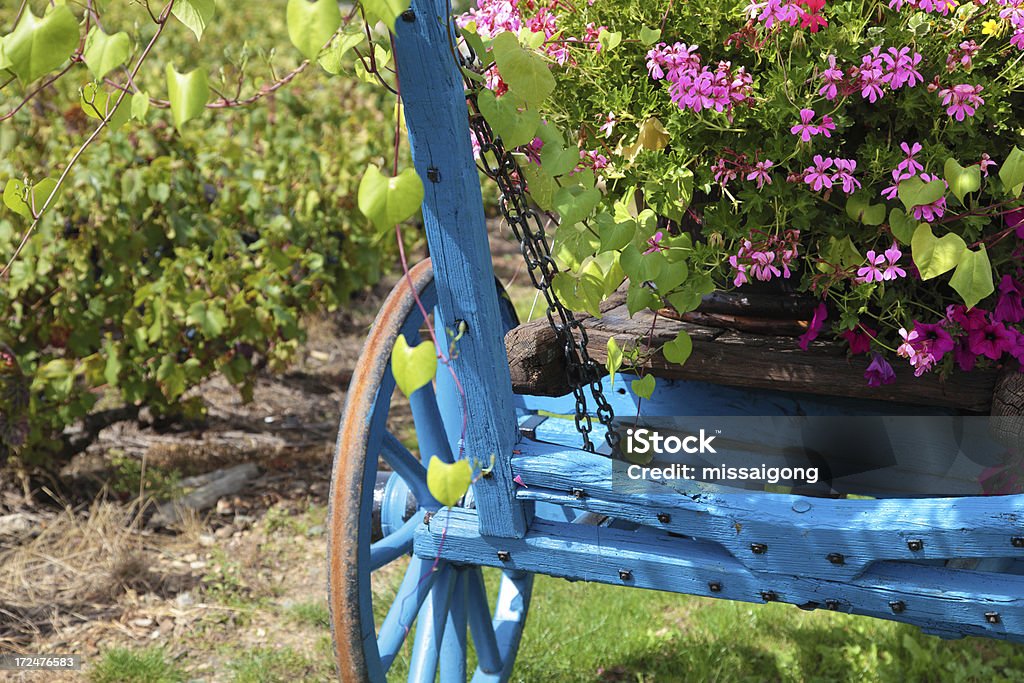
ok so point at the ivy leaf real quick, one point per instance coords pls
(39, 45)
(503, 114)
(188, 94)
(101, 105)
(609, 40)
(332, 59)
(840, 252)
(614, 361)
(582, 292)
(679, 349)
(915, 192)
(105, 53)
(140, 106)
(195, 14)
(649, 36)
(617, 234)
(448, 482)
(1012, 172)
(207, 317)
(860, 209)
(525, 72)
(972, 278)
(902, 225)
(934, 256)
(574, 203)
(962, 181)
(386, 10)
(639, 298)
(311, 24)
(542, 186)
(644, 387)
(388, 201)
(413, 366)
(16, 196)
(652, 136)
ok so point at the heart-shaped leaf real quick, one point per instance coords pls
(388, 201)
(195, 14)
(105, 53)
(649, 36)
(902, 225)
(652, 136)
(504, 114)
(525, 72)
(140, 106)
(333, 58)
(679, 349)
(385, 10)
(99, 104)
(962, 181)
(574, 203)
(16, 196)
(448, 482)
(644, 387)
(542, 186)
(973, 277)
(188, 94)
(311, 24)
(614, 358)
(413, 366)
(41, 44)
(609, 40)
(860, 209)
(915, 192)
(1012, 172)
(934, 256)
(208, 317)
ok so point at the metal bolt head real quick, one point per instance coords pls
(769, 596)
(504, 555)
(408, 16)
(715, 587)
(664, 517)
(832, 605)
(897, 606)
(578, 493)
(992, 617)
(433, 174)
(836, 558)
(758, 548)
(915, 545)
(427, 516)
(1017, 541)
(625, 574)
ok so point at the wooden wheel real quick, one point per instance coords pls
(436, 603)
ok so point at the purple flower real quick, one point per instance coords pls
(832, 77)
(909, 167)
(760, 173)
(991, 341)
(879, 372)
(817, 176)
(871, 272)
(820, 316)
(934, 339)
(1009, 308)
(609, 124)
(1015, 219)
(961, 100)
(654, 243)
(804, 129)
(892, 257)
(844, 175)
(859, 339)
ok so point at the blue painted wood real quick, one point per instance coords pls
(394, 545)
(430, 431)
(415, 587)
(938, 599)
(430, 625)
(453, 646)
(436, 117)
(411, 470)
(509, 617)
(800, 532)
(484, 639)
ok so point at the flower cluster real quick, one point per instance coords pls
(827, 173)
(768, 258)
(693, 85)
(731, 165)
(806, 13)
(805, 129)
(910, 167)
(942, 7)
(961, 100)
(881, 267)
(1013, 12)
(878, 71)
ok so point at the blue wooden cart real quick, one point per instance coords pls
(953, 566)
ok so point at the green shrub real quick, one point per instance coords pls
(122, 665)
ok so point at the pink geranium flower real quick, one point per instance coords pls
(805, 129)
(817, 176)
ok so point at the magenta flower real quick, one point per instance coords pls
(827, 126)
(935, 210)
(814, 328)
(1009, 308)
(859, 339)
(1015, 219)
(760, 173)
(892, 269)
(934, 339)
(844, 175)
(963, 356)
(968, 320)
(906, 349)
(986, 163)
(961, 100)
(872, 272)
(833, 78)
(805, 129)
(817, 176)
(609, 124)
(991, 341)
(909, 167)
(879, 372)
(655, 243)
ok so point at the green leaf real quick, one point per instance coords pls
(413, 366)
(962, 181)
(934, 256)
(609, 40)
(140, 106)
(652, 137)
(860, 209)
(105, 53)
(649, 36)
(386, 10)
(1012, 172)
(112, 366)
(311, 24)
(915, 192)
(542, 186)
(617, 234)
(679, 349)
(16, 196)
(582, 292)
(614, 358)
(504, 114)
(574, 203)
(188, 94)
(333, 58)
(388, 201)
(840, 252)
(40, 45)
(101, 105)
(207, 317)
(639, 298)
(973, 277)
(195, 14)
(902, 225)
(448, 482)
(525, 72)
(644, 387)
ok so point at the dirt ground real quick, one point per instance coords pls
(224, 596)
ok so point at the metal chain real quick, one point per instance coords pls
(501, 166)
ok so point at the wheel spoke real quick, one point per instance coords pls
(429, 428)
(393, 546)
(430, 628)
(408, 468)
(480, 626)
(419, 579)
(453, 645)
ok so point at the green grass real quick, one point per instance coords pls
(278, 665)
(149, 665)
(314, 614)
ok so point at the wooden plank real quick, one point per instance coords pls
(940, 600)
(799, 532)
(453, 216)
(736, 359)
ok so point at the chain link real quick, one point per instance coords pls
(582, 371)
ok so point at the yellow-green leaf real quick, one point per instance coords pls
(644, 387)
(413, 366)
(16, 196)
(448, 482)
(1012, 172)
(525, 71)
(614, 358)
(972, 278)
(388, 201)
(105, 53)
(311, 24)
(196, 14)
(188, 94)
(962, 181)
(934, 256)
(385, 10)
(101, 105)
(39, 45)
(679, 349)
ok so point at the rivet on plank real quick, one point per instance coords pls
(1017, 541)
(504, 555)
(769, 596)
(434, 176)
(408, 16)
(664, 517)
(897, 606)
(715, 587)
(625, 575)
(992, 617)
(758, 548)
(836, 558)
(915, 545)
(577, 493)
(832, 605)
